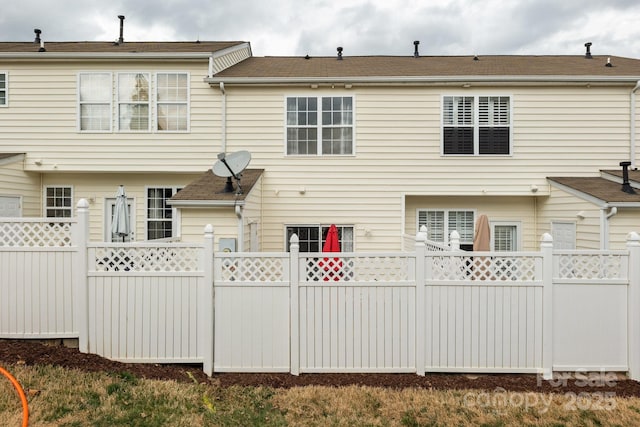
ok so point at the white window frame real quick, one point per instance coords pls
(46, 206)
(114, 102)
(120, 103)
(476, 123)
(518, 231)
(80, 103)
(446, 231)
(5, 89)
(319, 126)
(158, 103)
(320, 227)
(175, 212)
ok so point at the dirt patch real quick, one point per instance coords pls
(35, 353)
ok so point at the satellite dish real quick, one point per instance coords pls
(231, 165)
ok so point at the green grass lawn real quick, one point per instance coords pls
(61, 397)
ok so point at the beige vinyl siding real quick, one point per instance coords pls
(562, 206)
(223, 220)
(98, 187)
(252, 213)
(511, 209)
(397, 151)
(43, 122)
(624, 222)
(14, 181)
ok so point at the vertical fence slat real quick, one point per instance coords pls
(633, 301)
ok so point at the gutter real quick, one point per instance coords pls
(423, 79)
(604, 224)
(632, 147)
(223, 120)
(205, 203)
(104, 55)
(240, 215)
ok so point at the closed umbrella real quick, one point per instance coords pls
(482, 242)
(331, 244)
(482, 238)
(120, 224)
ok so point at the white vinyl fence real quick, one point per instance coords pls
(428, 310)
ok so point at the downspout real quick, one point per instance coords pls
(632, 157)
(223, 119)
(604, 225)
(240, 215)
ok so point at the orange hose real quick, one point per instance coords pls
(23, 398)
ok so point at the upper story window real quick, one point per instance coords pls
(3, 89)
(476, 125)
(133, 102)
(58, 202)
(320, 126)
(172, 97)
(144, 102)
(95, 102)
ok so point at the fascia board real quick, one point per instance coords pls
(423, 79)
(204, 203)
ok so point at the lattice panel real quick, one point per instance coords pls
(35, 234)
(253, 269)
(581, 266)
(335, 269)
(496, 268)
(147, 259)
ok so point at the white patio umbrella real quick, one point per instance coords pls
(120, 222)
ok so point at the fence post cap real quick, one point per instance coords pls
(546, 238)
(83, 204)
(208, 229)
(633, 238)
(294, 239)
(421, 236)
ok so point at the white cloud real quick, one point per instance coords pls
(362, 27)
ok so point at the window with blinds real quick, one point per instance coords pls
(476, 125)
(440, 224)
(505, 238)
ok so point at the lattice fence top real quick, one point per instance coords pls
(356, 268)
(253, 269)
(147, 259)
(493, 268)
(590, 266)
(35, 234)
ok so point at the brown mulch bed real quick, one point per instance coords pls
(36, 353)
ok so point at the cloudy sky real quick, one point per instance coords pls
(317, 27)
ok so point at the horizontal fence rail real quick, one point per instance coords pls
(431, 309)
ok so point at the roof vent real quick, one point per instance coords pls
(476, 58)
(587, 54)
(38, 32)
(608, 64)
(626, 186)
(339, 53)
(121, 38)
(416, 54)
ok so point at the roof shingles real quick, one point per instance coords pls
(407, 66)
